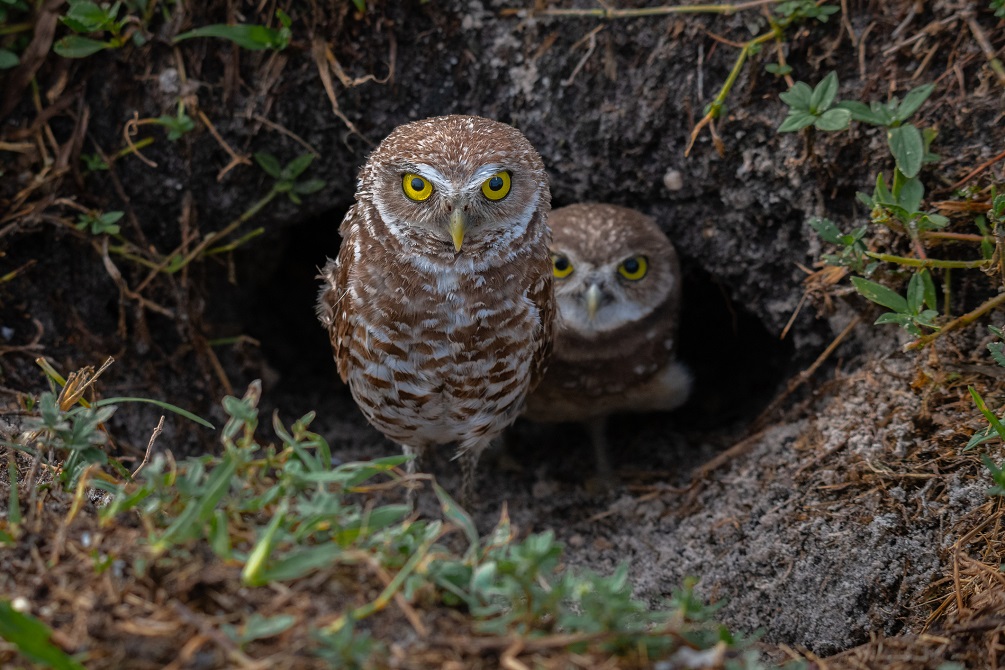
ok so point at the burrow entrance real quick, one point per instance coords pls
(737, 364)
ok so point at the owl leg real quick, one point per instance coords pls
(411, 467)
(597, 428)
(469, 461)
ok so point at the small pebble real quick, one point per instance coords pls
(673, 180)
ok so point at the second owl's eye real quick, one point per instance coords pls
(561, 266)
(416, 188)
(497, 186)
(634, 268)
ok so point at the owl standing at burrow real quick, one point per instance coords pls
(439, 306)
(618, 291)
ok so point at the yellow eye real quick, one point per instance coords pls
(497, 186)
(561, 266)
(634, 268)
(417, 188)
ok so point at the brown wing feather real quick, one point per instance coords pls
(334, 308)
(542, 295)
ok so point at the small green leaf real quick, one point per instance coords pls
(76, 46)
(929, 293)
(798, 97)
(252, 575)
(997, 474)
(912, 101)
(907, 148)
(997, 353)
(246, 36)
(32, 639)
(915, 293)
(460, 518)
(778, 70)
(796, 120)
(834, 119)
(823, 94)
(908, 192)
(861, 112)
(988, 414)
(296, 167)
(258, 627)
(87, 17)
(880, 294)
(893, 317)
(980, 437)
(8, 59)
(310, 186)
(269, 163)
(826, 229)
(219, 535)
(300, 562)
(929, 221)
(163, 405)
(882, 195)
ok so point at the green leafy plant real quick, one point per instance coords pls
(852, 252)
(100, 223)
(813, 106)
(247, 36)
(89, 18)
(998, 6)
(74, 433)
(909, 312)
(995, 428)
(349, 647)
(283, 512)
(176, 125)
(904, 139)
(286, 176)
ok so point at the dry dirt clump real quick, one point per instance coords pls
(836, 523)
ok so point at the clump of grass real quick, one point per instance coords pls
(283, 512)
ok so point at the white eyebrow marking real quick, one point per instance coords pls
(440, 182)
(483, 173)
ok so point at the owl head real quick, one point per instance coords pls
(613, 268)
(456, 184)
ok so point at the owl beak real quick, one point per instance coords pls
(592, 300)
(458, 224)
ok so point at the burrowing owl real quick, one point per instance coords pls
(440, 306)
(618, 290)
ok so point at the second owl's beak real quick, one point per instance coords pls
(592, 300)
(458, 224)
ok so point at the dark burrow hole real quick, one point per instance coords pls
(737, 366)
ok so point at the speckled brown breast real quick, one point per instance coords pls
(437, 357)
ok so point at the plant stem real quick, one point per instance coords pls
(927, 262)
(388, 593)
(962, 237)
(957, 323)
(715, 107)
